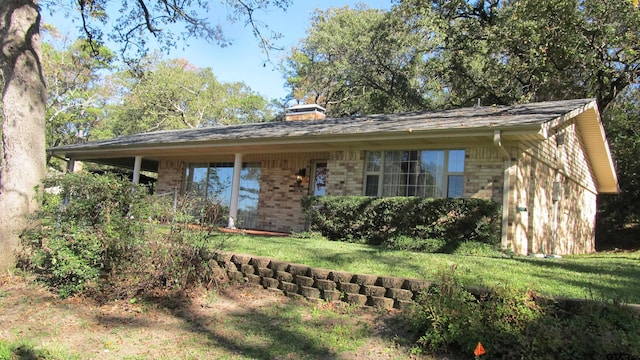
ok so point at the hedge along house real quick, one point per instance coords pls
(544, 162)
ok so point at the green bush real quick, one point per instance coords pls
(101, 235)
(405, 222)
(516, 324)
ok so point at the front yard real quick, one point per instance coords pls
(235, 322)
(601, 276)
(240, 322)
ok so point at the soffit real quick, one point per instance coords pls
(597, 149)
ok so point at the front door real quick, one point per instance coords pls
(319, 183)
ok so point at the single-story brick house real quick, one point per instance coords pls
(544, 162)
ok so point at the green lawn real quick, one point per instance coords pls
(599, 276)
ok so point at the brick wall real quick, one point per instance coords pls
(170, 174)
(484, 173)
(279, 204)
(535, 167)
(346, 171)
(565, 225)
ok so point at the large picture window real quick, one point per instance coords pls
(422, 173)
(213, 182)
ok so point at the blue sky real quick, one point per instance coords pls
(243, 61)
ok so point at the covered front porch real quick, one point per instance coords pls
(257, 191)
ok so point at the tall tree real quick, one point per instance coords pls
(22, 159)
(363, 60)
(174, 94)
(623, 132)
(446, 53)
(22, 155)
(76, 92)
(506, 51)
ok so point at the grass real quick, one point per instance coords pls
(602, 276)
(23, 349)
(259, 326)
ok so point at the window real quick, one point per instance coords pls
(213, 182)
(422, 173)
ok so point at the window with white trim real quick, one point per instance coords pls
(421, 173)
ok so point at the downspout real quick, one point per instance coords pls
(497, 141)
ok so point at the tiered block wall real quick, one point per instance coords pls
(315, 284)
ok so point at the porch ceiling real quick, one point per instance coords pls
(125, 162)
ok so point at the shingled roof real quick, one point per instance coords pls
(497, 117)
(534, 121)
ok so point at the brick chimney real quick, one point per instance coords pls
(305, 112)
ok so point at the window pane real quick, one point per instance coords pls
(433, 169)
(219, 187)
(455, 186)
(214, 182)
(456, 161)
(249, 195)
(374, 159)
(421, 173)
(198, 180)
(371, 188)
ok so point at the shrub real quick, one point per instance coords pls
(445, 315)
(69, 261)
(85, 230)
(405, 222)
(513, 324)
(100, 235)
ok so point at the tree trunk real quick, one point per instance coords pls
(22, 155)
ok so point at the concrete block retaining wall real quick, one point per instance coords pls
(315, 284)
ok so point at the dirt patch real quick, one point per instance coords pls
(234, 322)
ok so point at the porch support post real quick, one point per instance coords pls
(137, 165)
(235, 191)
(71, 164)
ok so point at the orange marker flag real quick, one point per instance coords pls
(479, 350)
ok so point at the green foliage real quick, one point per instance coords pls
(623, 132)
(72, 260)
(101, 234)
(514, 324)
(169, 95)
(76, 91)
(405, 223)
(85, 231)
(362, 61)
(444, 315)
(403, 242)
(426, 54)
